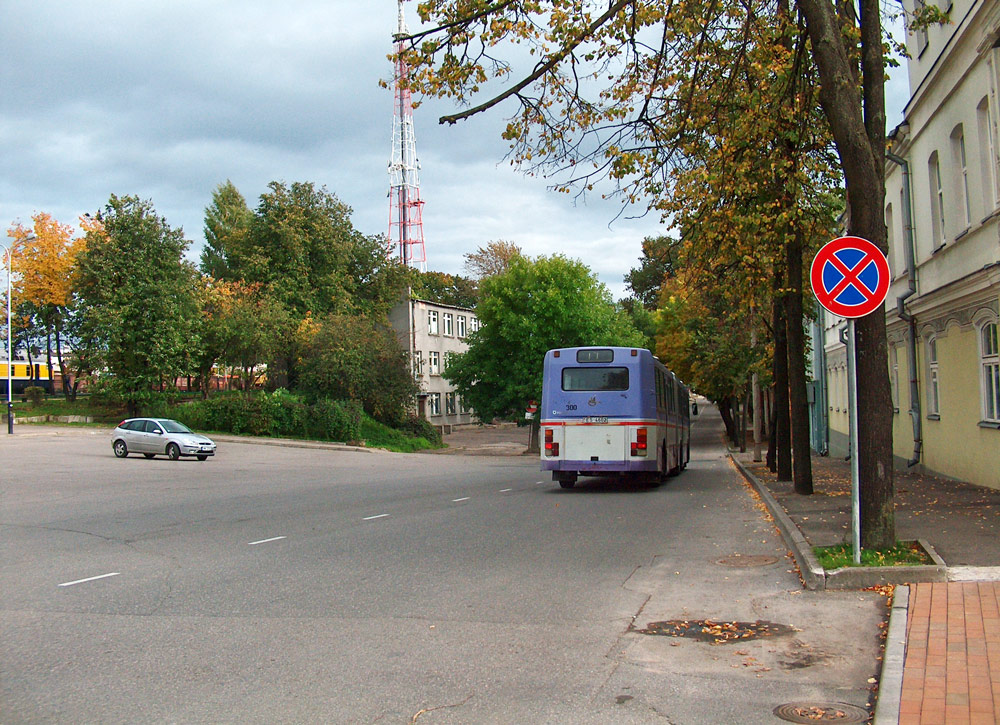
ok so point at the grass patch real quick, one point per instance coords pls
(102, 412)
(377, 435)
(904, 553)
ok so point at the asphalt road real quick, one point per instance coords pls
(290, 585)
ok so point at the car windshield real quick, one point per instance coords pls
(172, 426)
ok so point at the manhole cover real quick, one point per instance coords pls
(747, 560)
(811, 712)
(707, 630)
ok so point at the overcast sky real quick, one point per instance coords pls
(165, 100)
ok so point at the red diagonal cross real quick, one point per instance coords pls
(851, 276)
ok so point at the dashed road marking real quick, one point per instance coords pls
(376, 516)
(88, 579)
(267, 541)
(459, 500)
(505, 490)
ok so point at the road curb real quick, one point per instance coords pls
(813, 575)
(852, 577)
(890, 689)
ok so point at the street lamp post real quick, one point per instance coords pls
(8, 251)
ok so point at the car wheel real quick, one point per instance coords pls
(149, 455)
(121, 450)
(173, 451)
(202, 458)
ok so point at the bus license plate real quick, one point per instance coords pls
(596, 419)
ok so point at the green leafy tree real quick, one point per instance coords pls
(443, 288)
(227, 226)
(492, 259)
(352, 357)
(136, 299)
(533, 306)
(299, 248)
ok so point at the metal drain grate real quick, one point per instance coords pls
(747, 560)
(707, 630)
(813, 712)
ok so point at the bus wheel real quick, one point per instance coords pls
(566, 480)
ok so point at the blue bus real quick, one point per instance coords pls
(612, 410)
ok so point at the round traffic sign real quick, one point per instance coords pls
(850, 277)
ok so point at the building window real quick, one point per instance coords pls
(987, 155)
(449, 328)
(449, 404)
(894, 375)
(933, 392)
(434, 403)
(474, 323)
(461, 325)
(991, 372)
(921, 33)
(890, 239)
(418, 364)
(462, 407)
(432, 322)
(434, 362)
(937, 200)
(962, 171)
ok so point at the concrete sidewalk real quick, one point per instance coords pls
(942, 658)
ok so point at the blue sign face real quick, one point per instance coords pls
(868, 276)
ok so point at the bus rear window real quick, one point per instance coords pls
(588, 379)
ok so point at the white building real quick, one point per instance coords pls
(942, 211)
(431, 333)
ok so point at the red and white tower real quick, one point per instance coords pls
(406, 226)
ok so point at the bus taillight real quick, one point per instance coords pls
(639, 444)
(551, 448)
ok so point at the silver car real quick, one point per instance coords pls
(159, 436)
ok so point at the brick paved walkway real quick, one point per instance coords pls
(951, 673)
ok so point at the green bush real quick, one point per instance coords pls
(336, 420)
(422, 428)
(34, 394)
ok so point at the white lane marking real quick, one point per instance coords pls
(377, 516)
(267, 541)
(88, 579)
(459, 500)
(505, 490)
(539, 483)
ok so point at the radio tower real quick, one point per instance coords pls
(406, 226)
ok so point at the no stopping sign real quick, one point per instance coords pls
(850, 277)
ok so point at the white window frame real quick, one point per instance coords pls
(937, 200)
(434, 362)
(448, 324)
(894, 376)
(474, 324)
(432, 322)
(988, 151)
(461, 326)
(962, 171)
(933, 378)
(989, 369)
(450, 404)
(434, 403)
(418, 364)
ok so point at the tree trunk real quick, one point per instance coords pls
(798, 397)
(782, 440)
(859, 133)
(726, 411)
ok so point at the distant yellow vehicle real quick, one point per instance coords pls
(24, 376)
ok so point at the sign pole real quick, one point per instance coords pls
(850, 277)
(852, 405)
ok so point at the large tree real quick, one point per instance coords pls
(46, 254)
(227, 227)
(533, 306)
(135, 295)
(611, 95)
